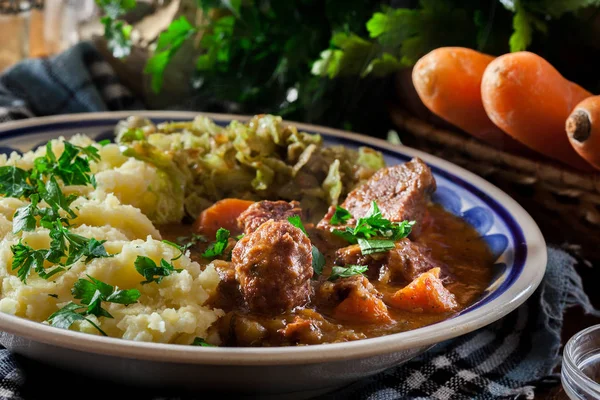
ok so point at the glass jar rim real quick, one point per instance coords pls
(570, 367)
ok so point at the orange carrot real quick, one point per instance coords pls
(222, 214)
(426, 293)
(362, 306)
(448, 81)
(583, 130)
(530, 100)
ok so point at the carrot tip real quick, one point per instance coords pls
(579, 126)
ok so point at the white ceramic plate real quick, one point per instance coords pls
(512, 234)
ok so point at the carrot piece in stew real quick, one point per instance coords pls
(425, 294)
(222, 214)
(362, 305)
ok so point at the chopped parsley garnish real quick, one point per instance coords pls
(318, 260)
(340, 216)
(297, 222)
(182, 249)
(70, 166)
(152, 272)
(14, 182)
(240, 236)
(40, 186)
(346, 272)
(25, 258)
(375, 225)
(66, 316)
(375, 246)
(218, 246)
(91, 293)
(187, 242)
(53, 295)
(104, 142)
(201, 342)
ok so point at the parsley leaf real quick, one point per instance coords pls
(65, 317)
(218, 246)
(375, 225)
(118, 36)
(24, 218)
(318, 260)
(340, 216)
(78, 246)
(346, 272)
(182, 249)
(25, 258)
(152, 272)
(116, 8)
(188, 242)
(201, 342)
(375, 246)
(93, 292)
(13, 182)
(297, 222)
(167, 45)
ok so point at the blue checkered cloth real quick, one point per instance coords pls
(506, 360)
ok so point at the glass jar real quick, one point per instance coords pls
(581, 365)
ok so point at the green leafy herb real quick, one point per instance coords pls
(375, 246)
(66, 316)
(24, 218)
(346, 272)
(340, 216)
(65, 243)
(218, 246)
(26, 258)
(181, 249)
(201, 342)
(118, 36)
(53, 295)
(188, 242)
(240, 236)
(14, 182)
(104, 142)
(297, 222)
(116, 8)
(167, 46)
(117, 32)
(375, 225)
(318, 260)
(152, 272)
(93, 292)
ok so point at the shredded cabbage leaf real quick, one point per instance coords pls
(264, 158)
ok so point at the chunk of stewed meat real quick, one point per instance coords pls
(354, 299)
(228, 295)
(402, 264)
(273, 265)
(401, 192)
(309, 327)
(262, 211)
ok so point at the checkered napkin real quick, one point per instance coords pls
(506, 360)
(78, 80)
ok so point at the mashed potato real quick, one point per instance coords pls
(129, 198)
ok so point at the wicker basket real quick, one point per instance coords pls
(569, 200)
